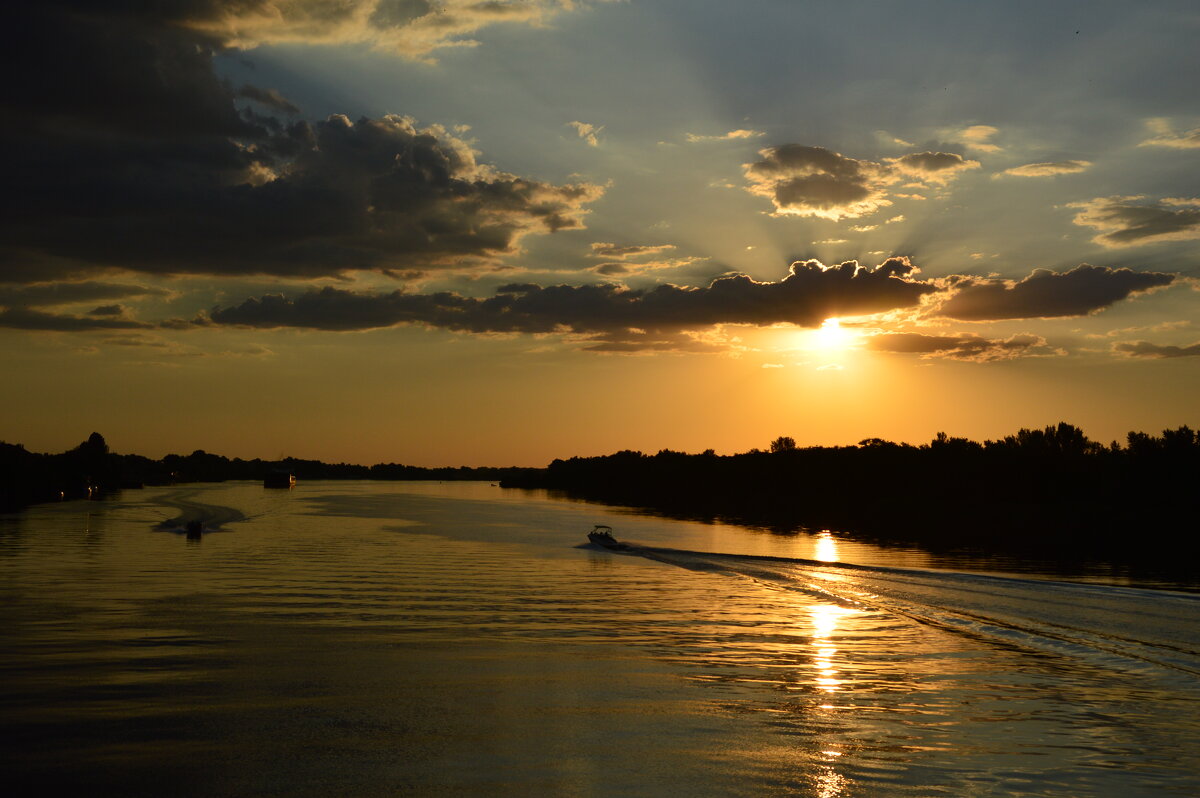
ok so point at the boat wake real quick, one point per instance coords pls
(1130, 629)
(194, 517)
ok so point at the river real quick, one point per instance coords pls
(373, 638)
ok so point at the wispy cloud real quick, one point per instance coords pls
(1047, 169)
(964, 346)
(601, 249)
(66, 293)
(977, 137)
(588, 132)
(1165, 136)
(733, 135)
(411, 28)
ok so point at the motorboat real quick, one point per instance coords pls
(194, 529)
(602, 535)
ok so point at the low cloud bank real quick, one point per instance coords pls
(963, 346)
(1046, 294)
(810, 293)
(1149, 350)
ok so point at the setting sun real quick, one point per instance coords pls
(832, 335)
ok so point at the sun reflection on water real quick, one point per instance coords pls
(825, 548)
(824, 619)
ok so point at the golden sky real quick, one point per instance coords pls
(444, 233)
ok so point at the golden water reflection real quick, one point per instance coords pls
(824, 619)
(825, 549)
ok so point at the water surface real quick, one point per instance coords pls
(374, 638)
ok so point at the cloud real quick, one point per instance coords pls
(889, 140)
(1165, 136)
(806, 296)
(1149, 350)
(149, 165)
(933, 167)
(271, 98)
(963, 346)
(108, 310)
(26, 319)
(1133, 221)
(977, 137)
(1047, 169)
(628, 268)
(1046, 294)
(635, 342)
(412, 28)
(813, 181)
(602, 249)
(587, 132)
(733, 135)
(66, 293)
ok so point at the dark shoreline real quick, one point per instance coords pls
(1041, 493)
(90, 470)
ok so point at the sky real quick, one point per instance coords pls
(501, 232)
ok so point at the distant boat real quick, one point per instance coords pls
(194, 529)
(602, 536)
(279, 479)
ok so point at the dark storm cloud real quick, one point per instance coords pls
(1149, 350)
(809, 294)
(46, 294)
(969, 347)
(1046, 294)
(1131, 221)
(813, 181)
(133, 155)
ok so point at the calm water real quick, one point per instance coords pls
(376, 638)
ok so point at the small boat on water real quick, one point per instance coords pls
(279, 479)
(602, 535)
(194, 529)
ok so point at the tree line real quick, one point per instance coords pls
(1038, 485)
(91, 470)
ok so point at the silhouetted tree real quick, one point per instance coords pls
(783, 443)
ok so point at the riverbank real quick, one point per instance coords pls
(90, 470)
(1038, 489)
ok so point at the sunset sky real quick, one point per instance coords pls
(496, 233)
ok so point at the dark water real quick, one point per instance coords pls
(376, 638)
